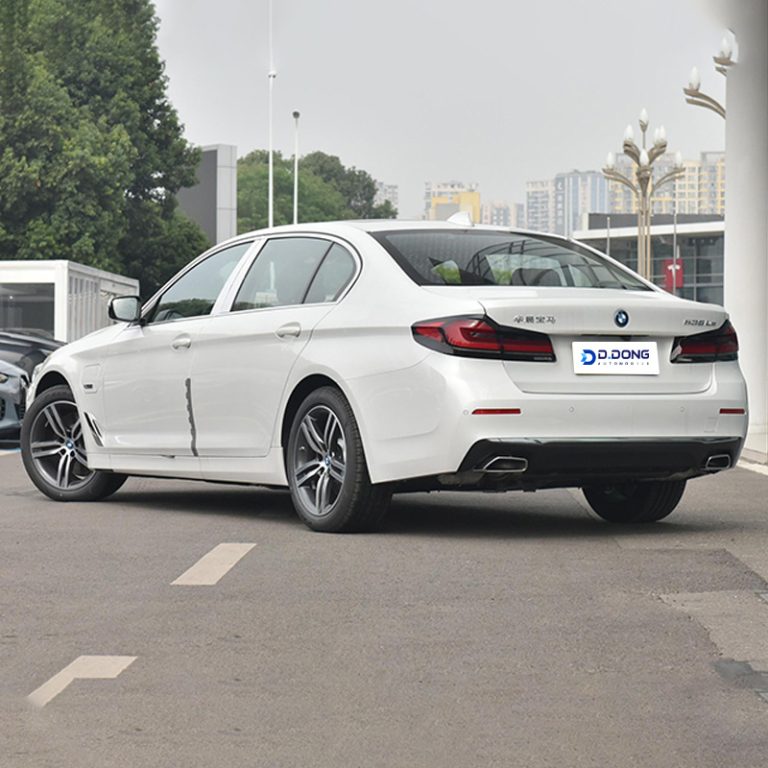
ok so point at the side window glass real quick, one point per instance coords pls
(194, 294)
(332, 277)
(281, 273)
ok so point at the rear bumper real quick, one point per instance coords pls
(563, 463)
(423, 421)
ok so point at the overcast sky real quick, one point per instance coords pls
(498, 92)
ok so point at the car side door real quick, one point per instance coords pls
(146, 374)
(244, 356)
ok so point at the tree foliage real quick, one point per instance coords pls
(327, 191)
(91, 150)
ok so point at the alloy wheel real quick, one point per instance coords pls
(57, 447)
(320, 460)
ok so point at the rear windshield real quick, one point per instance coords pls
(476, 257)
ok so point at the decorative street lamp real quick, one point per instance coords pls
(693, 94)
(643, 186)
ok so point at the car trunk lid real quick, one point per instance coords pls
(605, 319)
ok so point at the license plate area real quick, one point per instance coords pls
(615, 358)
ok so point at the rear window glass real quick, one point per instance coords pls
(476, 257)
(281, 273)
(332, 276)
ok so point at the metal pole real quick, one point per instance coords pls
(674, 251)
(608, 236)
(271, 75)
(648, 243)
(296, 116)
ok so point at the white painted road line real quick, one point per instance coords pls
(211, 567)
(82, 668)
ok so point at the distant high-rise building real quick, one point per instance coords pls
(443, 199)
(387, 193)
(620, 198)
(497, 214)
(701, 188)
(519, 221)
(560, 204)
(540, 205)
(576, 194)
(712, 183)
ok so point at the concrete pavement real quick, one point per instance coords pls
(475, 630)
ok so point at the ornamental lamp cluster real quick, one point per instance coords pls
(694, 94)
(642, 183)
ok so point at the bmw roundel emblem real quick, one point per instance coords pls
(621, 318)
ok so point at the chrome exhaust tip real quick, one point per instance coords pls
(505, 465)
(717, 462)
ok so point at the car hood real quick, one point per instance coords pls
(93, 340)
(29, 340)
(12, 370)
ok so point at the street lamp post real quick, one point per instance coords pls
(296, 115)
(271, 190)
(643, 186)
(693, 94)
(271, 75)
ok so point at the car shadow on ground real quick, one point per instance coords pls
(547, 515)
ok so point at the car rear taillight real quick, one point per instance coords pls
(710, 347)
(481, 337)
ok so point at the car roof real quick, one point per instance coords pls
(387, 225)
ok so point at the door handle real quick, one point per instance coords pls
(287, 330)
(182, 342)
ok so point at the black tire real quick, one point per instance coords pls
(635, 502)
(326, 468)
(53, 450)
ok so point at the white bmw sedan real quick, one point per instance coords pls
(353, 360)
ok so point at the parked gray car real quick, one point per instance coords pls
(26, 348)
(13, 394)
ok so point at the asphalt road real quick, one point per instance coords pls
(475, 630)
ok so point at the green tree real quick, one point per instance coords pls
(327, 191)
(92, 151)
(62, 176)
(318, 201)
(356, 187)
(103, 52)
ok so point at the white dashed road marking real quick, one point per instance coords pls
(82, 668)
(211, 567)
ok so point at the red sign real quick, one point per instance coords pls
(673, 274)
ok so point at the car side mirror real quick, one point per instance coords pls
(125, 309)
